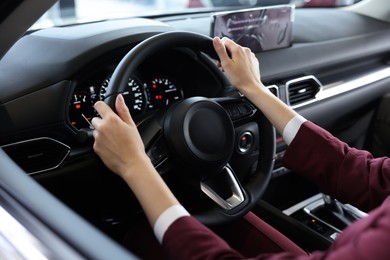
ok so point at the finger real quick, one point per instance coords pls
(95, 134)
(122, 109)
(220, 49)
(103, 109)
(96, 121)
(229, 44)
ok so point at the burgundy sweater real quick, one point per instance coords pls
(351, 175)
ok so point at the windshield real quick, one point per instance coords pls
(66, 12)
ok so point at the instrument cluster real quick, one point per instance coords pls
(140, 96)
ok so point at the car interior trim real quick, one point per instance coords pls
(53, 167)
(16, 242)
(230, 203)
(309, 209)
(274, 89)
(23, 236)
(313, 203)
(301, 204)
(52, 215)
(333, 90)
(337, 88)
(301, 80)
(354, 210)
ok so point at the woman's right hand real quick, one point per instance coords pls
(242, 69)
(239, 63)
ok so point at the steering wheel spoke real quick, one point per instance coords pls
(224, 189)
(156, 148)
(159, 155)
(237, 108)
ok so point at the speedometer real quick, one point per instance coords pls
(163, 92)
(134, 94)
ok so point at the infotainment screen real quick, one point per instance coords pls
(260, 29)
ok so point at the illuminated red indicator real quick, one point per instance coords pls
(154, 86)
(158, 97)
(243, 138)
(78, 106)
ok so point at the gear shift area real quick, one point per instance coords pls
(340, 212)
(333, 212)
(325, 215)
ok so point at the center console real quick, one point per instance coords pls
(324, 215)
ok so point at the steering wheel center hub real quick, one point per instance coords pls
(200, 133)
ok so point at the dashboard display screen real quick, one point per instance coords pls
(260, 29)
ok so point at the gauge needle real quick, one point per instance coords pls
(89, 123)
(171, 88)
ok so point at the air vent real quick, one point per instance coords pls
(37, 155)
(274, 90)
(303, 89)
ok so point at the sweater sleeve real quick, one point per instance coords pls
(351, 175)
(187, 238)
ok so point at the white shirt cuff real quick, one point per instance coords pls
(292, 127)
(167, 218)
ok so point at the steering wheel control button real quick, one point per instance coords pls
(245, 109)
(245, 142)
(234, 112)
(240, 110)
(158, 152)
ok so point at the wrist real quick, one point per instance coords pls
(137, 166)
(253, 89)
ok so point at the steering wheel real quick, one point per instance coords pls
(200, 135)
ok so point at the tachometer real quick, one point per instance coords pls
(134, 94)
(163, 92)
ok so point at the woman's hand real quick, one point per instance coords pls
(119, 145)
(242, 69)
(117, 141)
(239, 63)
